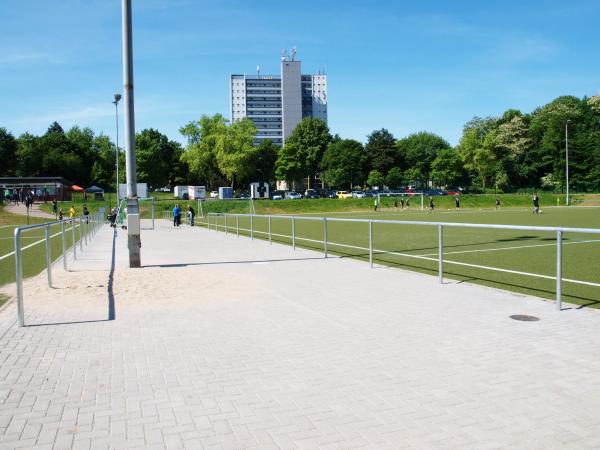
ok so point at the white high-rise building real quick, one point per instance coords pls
(277, 103)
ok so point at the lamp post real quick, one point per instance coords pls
(134, 242)
(116, 103)
(567, 158)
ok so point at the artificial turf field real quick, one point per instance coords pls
(415, 247)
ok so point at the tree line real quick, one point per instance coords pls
(513, 151)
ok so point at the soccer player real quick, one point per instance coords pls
(497, 203)
(536, 203)
(457, 202)
(431, 205)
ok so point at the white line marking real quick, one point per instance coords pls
(511, 248)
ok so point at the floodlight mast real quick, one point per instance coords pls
(133, 219)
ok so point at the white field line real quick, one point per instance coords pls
(511, 248)
(427, 258)
(35, 243)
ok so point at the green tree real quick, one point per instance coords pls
(419, 150)
(447, 168)
(236, 153)
(200, 156)
(343, 162)
(8, 153)
(381, 151)
(413, 176)
(375, 178)
(307, 144)
(265, 158)
(394, 178)
(60, 156)
(29, 156)
(156, 156)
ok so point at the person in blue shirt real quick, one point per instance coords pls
(176, 215)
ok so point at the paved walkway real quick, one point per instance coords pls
(35, 210)
(227, 343)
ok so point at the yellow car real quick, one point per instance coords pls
(343, 194)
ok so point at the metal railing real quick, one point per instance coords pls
(88, 226)
(559, 231)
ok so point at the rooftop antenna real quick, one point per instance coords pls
(293, 52)
(258, 71)
(283, 54)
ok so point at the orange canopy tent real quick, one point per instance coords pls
(77, 188)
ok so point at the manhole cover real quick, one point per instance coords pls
(524, 318)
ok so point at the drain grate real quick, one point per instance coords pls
(524, 318)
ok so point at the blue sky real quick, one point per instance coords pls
(405, 66)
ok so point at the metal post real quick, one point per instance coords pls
(48, 256)
(237, 225)
(567, 158)
(133, 226)
(80, 237)
(440, 254)
(64, 245)
(371, 243)
(116, 103)
(270, 238)
(153, 213)
(294, 233)
(325, 236)
(19, 278)
(559, 270)
(73, 236)
(87, 229)
(251, 227)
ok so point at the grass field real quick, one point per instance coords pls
(415, 247)
(33, 246)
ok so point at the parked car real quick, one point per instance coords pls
(214, 194)
(278, 195)
(242, 196)
(311, 193)
(434, 192)
(358, 194)
(328, 194)
(292, 195)
(368, 194)
(343, 194)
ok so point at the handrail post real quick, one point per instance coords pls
(48, 256)
(237, 225)
(153, 213)
(87, 229)
(325, 236)
(371, 243)
(73, 237)
(559, 270)
(80, 237)
(294, 233)
(270, 238)
(251, 227)
(19, 278)
(440, 253)
(64, 244)
(226, 227)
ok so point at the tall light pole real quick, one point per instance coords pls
(134, 242)
(567, 157)
(116, 103)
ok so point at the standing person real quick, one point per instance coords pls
(60, 214)
(536, 203)
(431, 205)
(54, 207)
(176, 215)
(401, 203)
(407, 203)
(86, 213)
(497, 203)
(375, 204)
(457, 202)
(71, 212)
(113, 217)
(395, 204)
(191, 214)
